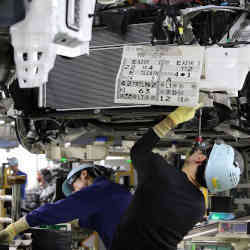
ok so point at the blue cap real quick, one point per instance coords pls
(223, 169)
(66, 187)
(13, 161)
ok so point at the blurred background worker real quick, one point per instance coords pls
(45, 191)
(168, 201)
(92, 198)
(13, 163)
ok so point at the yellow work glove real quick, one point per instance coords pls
(183, 114)
(9, 233)
(180, 115)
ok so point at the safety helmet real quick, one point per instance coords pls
(222, 171)
(72, 176)
(13, 161)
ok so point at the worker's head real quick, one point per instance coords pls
(83, 176)
(44, 177)
(218, 166)
(13, 163)
(196, 156)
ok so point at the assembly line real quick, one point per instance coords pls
(137, 115)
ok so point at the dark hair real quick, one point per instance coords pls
(46, 174)
(99, 170)
(200, 174)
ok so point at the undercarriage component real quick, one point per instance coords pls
(210, 23)
(88, 153)
(77, 103)
(187, 24)
(12, 11)
(22, 127)
(66, 31)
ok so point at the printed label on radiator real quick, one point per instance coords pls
(159, 75)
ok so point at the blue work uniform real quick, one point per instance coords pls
(23, 186)
(165, 206)
(98, 207)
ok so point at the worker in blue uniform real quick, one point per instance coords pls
(13, 163)
(92, 198)
(168, 201)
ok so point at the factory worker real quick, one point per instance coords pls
(92, 198)
(13, 163)
(168, 201)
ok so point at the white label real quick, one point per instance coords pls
(155, 75)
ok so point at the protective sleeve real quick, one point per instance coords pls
(142, 156)
(79, 205)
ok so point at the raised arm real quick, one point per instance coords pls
(141, 153)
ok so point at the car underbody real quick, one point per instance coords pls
(77, 105)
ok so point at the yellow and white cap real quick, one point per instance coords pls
(222, 170)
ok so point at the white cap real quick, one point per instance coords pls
(13, 161)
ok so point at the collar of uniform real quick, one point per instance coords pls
(99, 178)
(191, 180)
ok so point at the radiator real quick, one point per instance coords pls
(89, 81)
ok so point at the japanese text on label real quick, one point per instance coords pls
(153, 75)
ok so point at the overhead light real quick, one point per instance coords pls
(2, 122)
(67, 144)
(115, 158)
